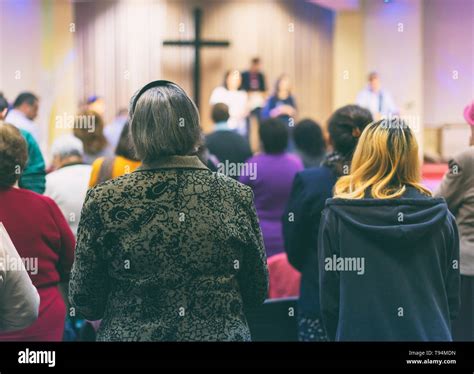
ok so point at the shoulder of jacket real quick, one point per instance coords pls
(239, 189)
(314, 180)
(315, 172)
(99, 189)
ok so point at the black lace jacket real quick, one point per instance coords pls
(169, 252)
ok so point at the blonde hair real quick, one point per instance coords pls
(385, 162)
(93, 138)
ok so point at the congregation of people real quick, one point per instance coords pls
(141, 235)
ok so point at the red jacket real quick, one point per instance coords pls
(40, 234)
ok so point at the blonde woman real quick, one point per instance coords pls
(388, 251)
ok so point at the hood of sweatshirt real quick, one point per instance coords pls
(393, 222)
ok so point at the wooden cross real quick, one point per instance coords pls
(197, 43)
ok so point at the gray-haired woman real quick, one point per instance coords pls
(171, 251)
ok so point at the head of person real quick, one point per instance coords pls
(385, 163)
(220, 113)
(3, 107)
(28, 104)
(374, 81)
(283, 85)
(255, 65)
(273, 136)
(125, 146)
(67, 149)
(308, 137)
(13, 155)
(89, 128)
(96, 104)
(345, 127)
(164, 121)
(232, 80)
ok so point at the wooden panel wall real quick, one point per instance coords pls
(119, 44)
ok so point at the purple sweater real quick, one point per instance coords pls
(271, 185)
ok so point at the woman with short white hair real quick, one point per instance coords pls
(172, 251)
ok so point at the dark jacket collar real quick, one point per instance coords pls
(174, 162)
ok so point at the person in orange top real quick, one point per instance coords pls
(125, 161)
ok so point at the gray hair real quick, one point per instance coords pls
(164, 122)
(67, 146)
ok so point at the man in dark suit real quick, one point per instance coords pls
(253, 81)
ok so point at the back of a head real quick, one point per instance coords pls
(278, 83)
(89, 128)
(220, 113)
(385, 162)
(345, 126)
(67, 146)
(273, 135)
(372, 75)
(309, 138)
(13, 155)
(96, 103)
(255, 63)
(25, 97)
(164, 122)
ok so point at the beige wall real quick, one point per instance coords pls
(448, 75)
(20, 48)
(36, 44)
(387, 38)
(58, 78)
(119, 49)
(428, 67)
(349, 63)
(377, 37)
(393, 47)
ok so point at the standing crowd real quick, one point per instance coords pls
(138, 237)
